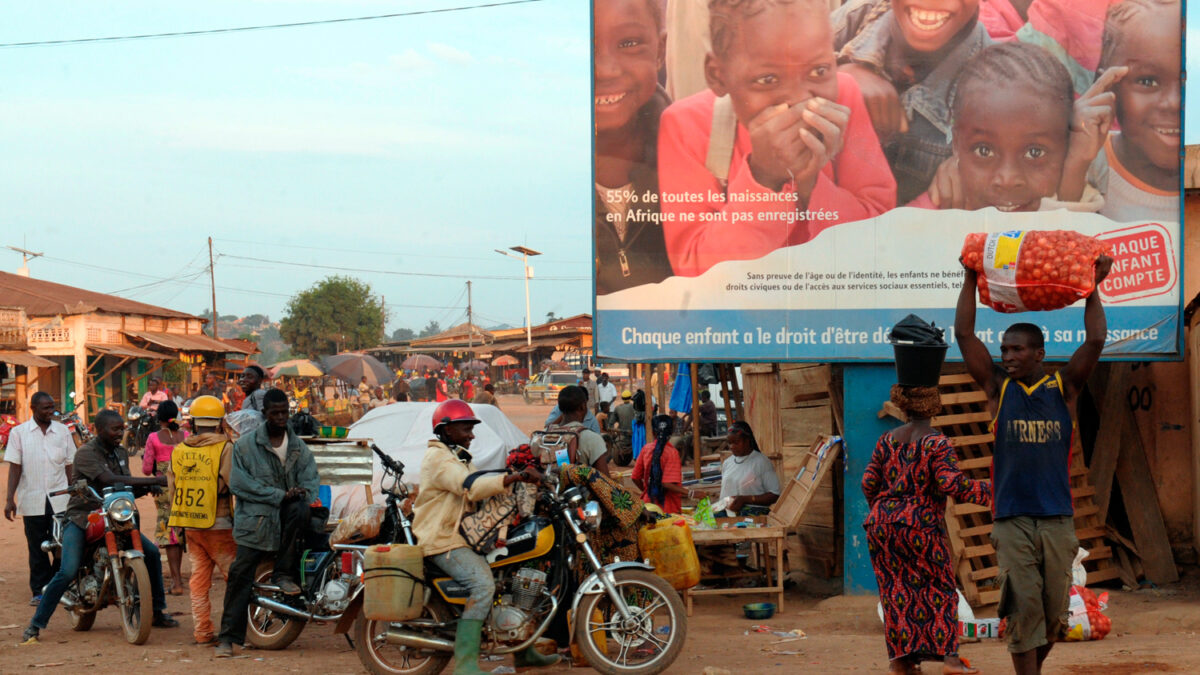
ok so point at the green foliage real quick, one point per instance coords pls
(337, 314)
(403, 334)
(431, 328)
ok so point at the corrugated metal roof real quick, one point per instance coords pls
(131, 352)
(22, 358)
(46, 298)
(344, 463)
(192, 342)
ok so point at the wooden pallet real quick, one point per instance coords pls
(965, 421)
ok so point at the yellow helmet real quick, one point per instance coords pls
(207, 407)
(626, 394)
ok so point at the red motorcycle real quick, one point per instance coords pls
(112, 568)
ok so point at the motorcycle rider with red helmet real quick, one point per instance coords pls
(447, 478)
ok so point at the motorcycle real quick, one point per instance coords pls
(628, 620)
(113, 569)
(141, 424)
(80, 432)
(331, 579)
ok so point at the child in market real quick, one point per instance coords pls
(1012, 114)
(1137, 168)
(905, 56)
(629, 48)
(785, 152)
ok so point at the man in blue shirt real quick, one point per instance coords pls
(1033, 422)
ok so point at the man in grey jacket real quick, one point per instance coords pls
(274, 477)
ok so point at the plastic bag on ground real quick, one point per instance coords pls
(1087, 619)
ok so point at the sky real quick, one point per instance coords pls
(1191, 101)
(401, 151)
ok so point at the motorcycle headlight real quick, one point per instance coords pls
(121, 510)
(592, 514)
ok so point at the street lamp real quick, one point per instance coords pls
(524, 258)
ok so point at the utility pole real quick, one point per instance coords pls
(470, 326)
(524, 258)
(212, 280)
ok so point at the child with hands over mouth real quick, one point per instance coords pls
(802, 158)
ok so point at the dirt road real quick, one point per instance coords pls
(1154, 631)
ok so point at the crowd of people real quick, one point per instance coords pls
(266, 478)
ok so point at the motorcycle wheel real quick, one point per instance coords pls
(381, 658)
(647, 644)
(525, 395)
(137, 614)
(266, 629)
(82, 621)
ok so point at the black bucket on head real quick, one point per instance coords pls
(919, 365)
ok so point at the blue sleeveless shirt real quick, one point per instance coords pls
(1031, 459)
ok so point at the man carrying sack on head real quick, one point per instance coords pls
(198, 482)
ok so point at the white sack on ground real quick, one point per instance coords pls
(403, 430)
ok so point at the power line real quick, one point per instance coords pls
(245, 29)
(289, 263)
(422, 254)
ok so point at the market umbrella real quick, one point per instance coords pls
(296, 368)
(353, 368)
(419, 361)
(474, 365)
(506, 360)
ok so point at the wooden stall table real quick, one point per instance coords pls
(785, 515)
(761, 538)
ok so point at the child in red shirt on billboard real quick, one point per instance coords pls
(789, 153)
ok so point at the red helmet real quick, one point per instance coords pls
(453, 410)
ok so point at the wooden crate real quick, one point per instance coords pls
(965, 420)
(798, 493)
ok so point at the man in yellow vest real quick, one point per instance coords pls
(199, 484)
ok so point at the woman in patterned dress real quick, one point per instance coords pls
(155, 462)
(912, 471)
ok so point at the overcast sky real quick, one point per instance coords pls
(413, 144)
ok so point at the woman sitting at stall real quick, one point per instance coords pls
(658, 471)
(747, 477)
(912, 471)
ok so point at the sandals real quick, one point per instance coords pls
(965, 670)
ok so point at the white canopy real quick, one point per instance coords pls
(403, 431)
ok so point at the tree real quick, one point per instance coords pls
(403, 334)
(550, 317)
(337, 313)
(431, 328)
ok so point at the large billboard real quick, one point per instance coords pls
(779, 180)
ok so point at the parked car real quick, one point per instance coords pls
(545, 386)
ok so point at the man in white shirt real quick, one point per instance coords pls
(39, 455)
(606, 391)
(589, 385)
